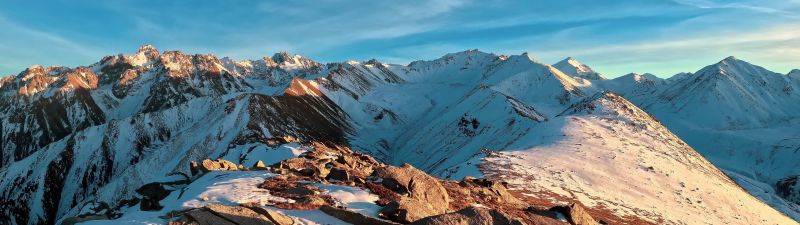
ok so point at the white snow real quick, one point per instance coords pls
(353, 198)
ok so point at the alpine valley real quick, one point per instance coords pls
(174, 138)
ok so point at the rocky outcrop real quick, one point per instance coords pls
(238, 214)
(788, 189)
(353, 217)
(425, 195)
(152, 193)
(469, 216)
(576, 214)
(214, 214)
(208, 165)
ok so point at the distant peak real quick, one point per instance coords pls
(639, 77)
(731, 60)
(573, 67)
(572, 60)
(282, 56)
(470, 52)
(35, 67)
(147, 47)
(144, 56)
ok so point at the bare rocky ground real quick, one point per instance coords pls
(407, 195)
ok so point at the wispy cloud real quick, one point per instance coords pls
(615, 35)
(760, 6)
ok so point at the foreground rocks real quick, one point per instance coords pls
(406, 194)
(469, 216)
(422, 195)
(576, 214)
(214, 214)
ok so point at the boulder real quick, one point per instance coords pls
(276, 217)
(154, 190)
(426, 196)
(353, 217)
(194, 168)
(208, 165)
(152, 193)
(407, 210)
(312, 200)
(259, 165)
(305, 167)
(295, 164)
(338, 174)
(238, 214)
(579, 216)
(204, 217)
(469, 216)
(576, 214)
(493, 191)
(302, 190)
(147, 204)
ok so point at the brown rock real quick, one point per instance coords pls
(239, 215)
(275, 217)
(426, 196)
(353, 217)
(295, 164)
(302, 190)
(217, 165)
(470, 216)
(204, 217)
(338, 174)
(313, 200)
(578, 215)
(194, 168)
(407, 210)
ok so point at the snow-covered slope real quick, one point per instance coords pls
(740, 116)
(607, 153)
(73, 136)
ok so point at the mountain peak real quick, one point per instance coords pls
(465, 54)
(147, 48)
(284, 57)
(146, 55)
(794, 73)
(573, 67)
(730, 59)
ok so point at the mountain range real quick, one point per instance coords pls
(716, 146)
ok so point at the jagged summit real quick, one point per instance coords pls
(147, 48)
(573, 67)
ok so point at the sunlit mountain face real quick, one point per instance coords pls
(120, 139)
(262, 112)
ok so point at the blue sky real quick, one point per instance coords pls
(613, 36)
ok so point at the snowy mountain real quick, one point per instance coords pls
(76, 137)
(743, 118)
(572, 67)
(748, 95)
(632, 86)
